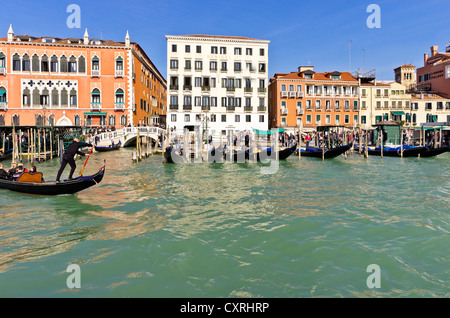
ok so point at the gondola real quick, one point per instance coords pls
(432, 152)
(109, 148)
(7, 154)
(283, 154)
(29, 183)
(325, 153)
(408, 151)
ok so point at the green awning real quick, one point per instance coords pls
(95, 114)
(397, 113)
(2, 93)
(268, 132)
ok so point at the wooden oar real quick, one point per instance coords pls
(81, 172)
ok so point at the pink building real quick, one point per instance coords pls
(435, 73)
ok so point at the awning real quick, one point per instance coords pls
(268, 132)
(397, 113)
(95, 114)
(2, 93)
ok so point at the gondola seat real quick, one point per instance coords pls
(30, 177)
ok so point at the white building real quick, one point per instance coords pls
(218, 83)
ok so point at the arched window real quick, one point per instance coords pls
(25, 63)
(26, 97)
(2, 62)
(95, 63)
(119, 99)
(81, 64)
(44, 97)
(39, 120)
(51, 120)
(73, 98)
(2, 120)
(54, 64)
(15, 120)
(3, 99)
(95, 97)
(112, 120)
(16, 62)
(36, 97)
(64, 98)
(55, 98)
(35, 63)
(77, 120)
(63, 64)
(88, 121)
(44, 64)
(72, 64)
(123, 120)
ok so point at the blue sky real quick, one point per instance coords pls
(301, 32)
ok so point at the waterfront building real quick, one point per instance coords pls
(217, 83)
(399, 101)
(77, 82)
(313, 99)
(435, 73)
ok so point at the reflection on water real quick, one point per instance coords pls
(280, 235)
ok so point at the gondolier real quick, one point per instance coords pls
(68, 155)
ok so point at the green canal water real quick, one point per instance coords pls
(227, 230)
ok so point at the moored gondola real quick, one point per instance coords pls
(433, 152)
(325, 153)
(33, 184)
(109, 148)
(5, 155)
(407, 151)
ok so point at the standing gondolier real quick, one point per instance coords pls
(68, 155)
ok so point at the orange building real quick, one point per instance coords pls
(77, 82)
(313, 99)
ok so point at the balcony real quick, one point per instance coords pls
(261, 108)
(300, 111)
(284, 111)
(300, 94)
(206, 107)
(308, 108)
(3, 105)
(186, 107)
(206, 89)
(95, 73)
(119, 73)
(347, 108)
(248, 108)
(96, 106)
(231, 89)
(173, 107)
(261, 89)
(284, 94)
(248, 89)
(187, 87)
(230, 108)
(119, 106)
(292, 94)
(328, 108)
(173, 87)
(337, 108)
(237, 70)
(2, 70)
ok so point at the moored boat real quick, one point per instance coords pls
(5, 155)
(407, 151)
(325, 153)
(109, 148)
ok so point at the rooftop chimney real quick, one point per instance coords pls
(425, 59)
(434, 50)
(305, 68)
(10, 34)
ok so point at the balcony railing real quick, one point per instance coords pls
(300, 94)
(2, 70)
(173, 87)
(261, 89)
(96, 106)
(187, 107)
(187, 87)
(248, 89)
(292, 94)
(284, 111)
(284, 94)
(248, 108)
(261, 108)
(119, 106)
(3, 105)
(95, 73)
(173, 107)
(337, 108)
(206, 107)
(230, 108)
(300, 111)
(328, 108)
(206, 88)
(347, 108)
(230, 89)
(119, 73)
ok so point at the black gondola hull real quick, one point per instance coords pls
(326, 153)
(54, 188)
(105, 149)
